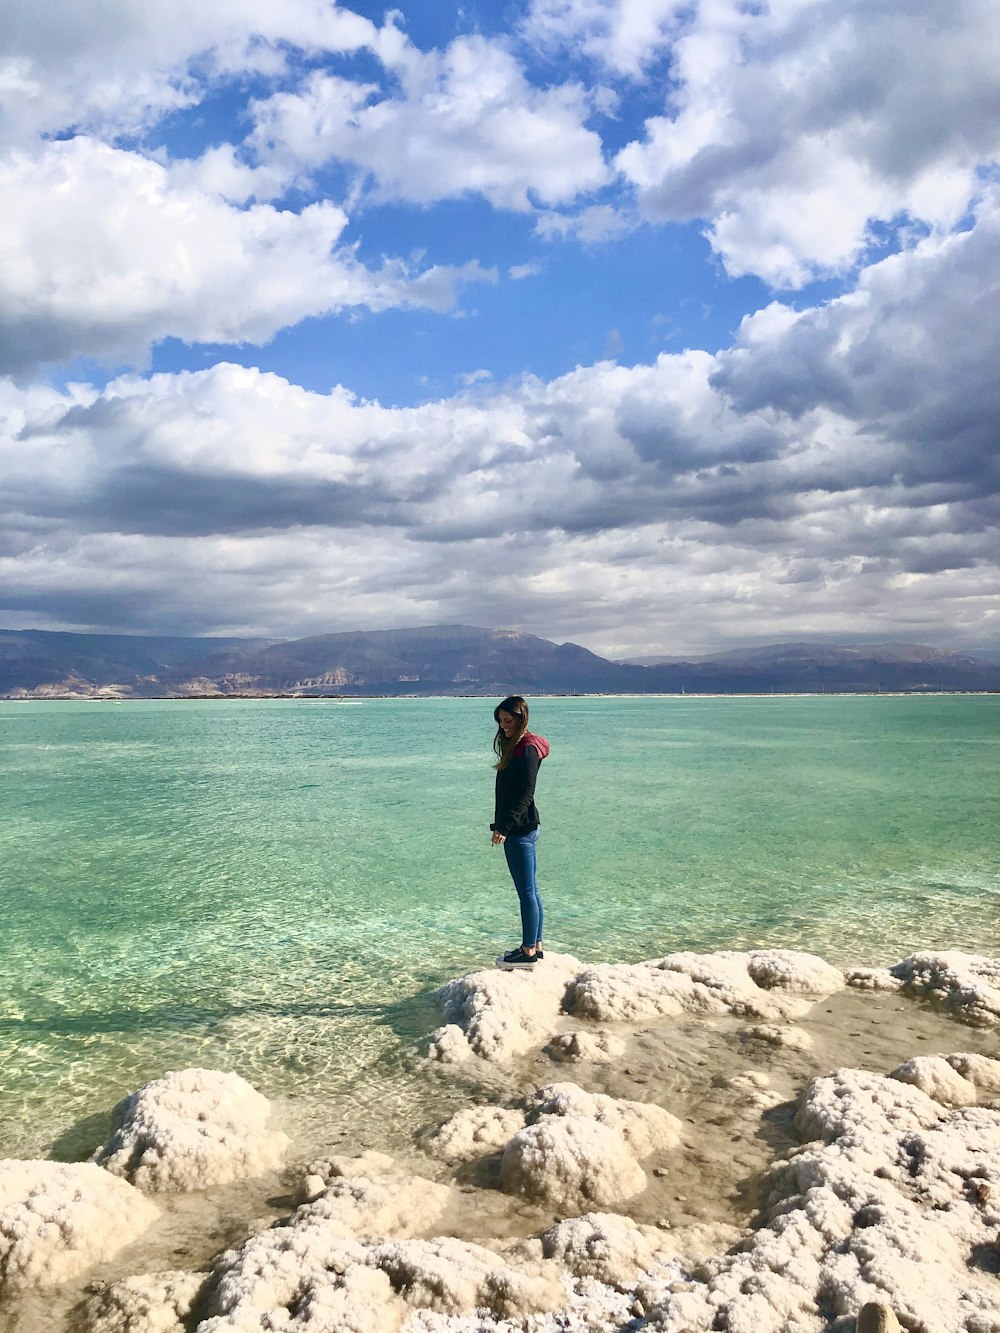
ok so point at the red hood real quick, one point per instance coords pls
(529, 738)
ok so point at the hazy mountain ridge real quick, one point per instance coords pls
(450, 659)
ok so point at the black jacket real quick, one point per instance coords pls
(515, 810)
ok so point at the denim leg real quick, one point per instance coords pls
(522, 862)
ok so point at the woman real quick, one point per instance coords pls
(515, 821)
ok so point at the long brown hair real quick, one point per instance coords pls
(503, 747)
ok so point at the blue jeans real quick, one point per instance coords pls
(522, 861)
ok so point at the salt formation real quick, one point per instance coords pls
(151, 1303)
(572, 1164)
(872, 979)
(191, 1129)
(380, 1206)
(967, 984)
(581, 1149)
(642, 1127)
(765, 983)
(775, 1034)
(605, 1246)
(892, 1204)
(310, 1275)
(498, 1015)
(58, 1219)
(474, 1132)
(954, 1079)
(595, 1047)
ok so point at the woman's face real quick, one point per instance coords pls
(507, 722)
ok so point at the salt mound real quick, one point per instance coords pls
(955, 1079)
(643, 1127)
(595, 1047)
(978, 1069)
(571, 1163)
(896, 1202)
(58, 1219)
(872, 979)
(498, 1015)
(967, 984)
(151, 1303)
(604, 1246)
(933, 1075)
(474, 1132)
(764, 983)
(308, 1276)
(384, 1206)
(453, 1276)
(191, 1129)
(302, 1276)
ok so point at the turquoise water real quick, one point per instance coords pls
(275, 886)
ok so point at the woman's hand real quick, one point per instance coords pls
(497, 839)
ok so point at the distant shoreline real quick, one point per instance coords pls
(594, 694)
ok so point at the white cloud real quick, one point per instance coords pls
(102, 253)
(793, 127)
(464, 121)
(831, 471)
(119, 66)
(591, 225)
(624, 35)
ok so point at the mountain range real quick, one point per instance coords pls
(450, 659)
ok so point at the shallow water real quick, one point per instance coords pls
(275, 886)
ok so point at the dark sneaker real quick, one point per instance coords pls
(515, 953)
(516, 959)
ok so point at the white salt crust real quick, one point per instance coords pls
(569, 1148)
(307, 1276)
(893, 1200)
(191, 1129)
(764, 983)
(57, 1219)
(966, 984)
(474, 1132)
(499, 1015)
(149, 1303)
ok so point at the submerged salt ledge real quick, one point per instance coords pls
(893, 1194)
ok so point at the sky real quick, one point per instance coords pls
(660, 327)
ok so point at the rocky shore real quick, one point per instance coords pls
(744, 1141)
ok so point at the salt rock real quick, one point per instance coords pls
(934, 1075)
(499, 1015)
(151, 1303)
(594, 1047)
(191, 1129)
(360, 1207)
(455, 1277)
(967, 984)
(367, 1163)
(763, 983)
(474, 1132)
(846, 1226)
(56, 1219)
(306, 1276)
(310, 1187)
(978, 1069)
(645, 1128)
(605, 1246)
(871, 979)
(790, 1038)
(572, 1163)
(852, 1101)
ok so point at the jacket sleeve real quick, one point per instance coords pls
(529, 769)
